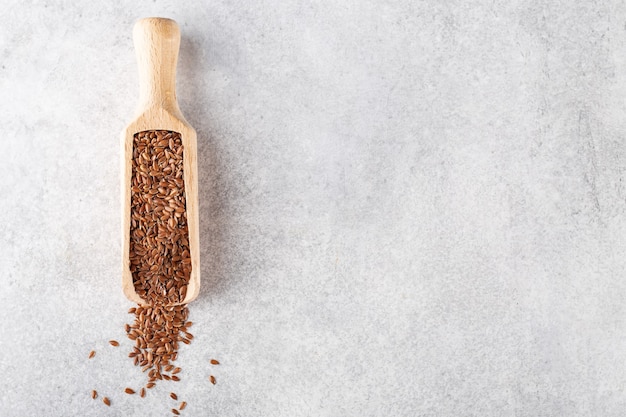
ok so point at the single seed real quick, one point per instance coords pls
(212, 378)
(106, 401)
(214, 362)
(92, 354)
(94, 394)
(182, 405)
(129, 391)
(114, 343)
(174, 396)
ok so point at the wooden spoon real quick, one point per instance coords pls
(156, 43)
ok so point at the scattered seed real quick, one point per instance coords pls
(142, 393)
(114, 343)
(106, 401)
(92, 354)
(129, 391)
(175, 378)
(182, 405)
(94, 394)
(214, 362)
(174, 396)
(212, 378)
(175, 411)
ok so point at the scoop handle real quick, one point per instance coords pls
(156, 44)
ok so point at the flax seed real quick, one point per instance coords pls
(159, 252)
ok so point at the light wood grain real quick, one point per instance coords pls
(156, 44)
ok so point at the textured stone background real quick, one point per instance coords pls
(408, 208)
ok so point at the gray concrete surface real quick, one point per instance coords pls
(408, 208)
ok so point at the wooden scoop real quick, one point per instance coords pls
(156, 43)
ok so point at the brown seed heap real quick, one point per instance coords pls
(157, 331)
(160, 260)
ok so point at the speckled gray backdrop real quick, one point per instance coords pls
(408, 208)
